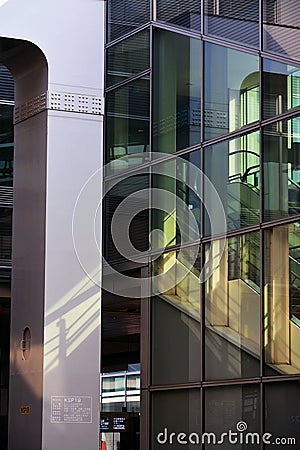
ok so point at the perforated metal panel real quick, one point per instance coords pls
(59, 101)
(74, 102)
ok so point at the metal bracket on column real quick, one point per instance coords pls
(59, 101)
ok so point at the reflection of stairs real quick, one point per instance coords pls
(243, 210)
(185, 295)
(242, 298)
(294, 200)
(243, 205)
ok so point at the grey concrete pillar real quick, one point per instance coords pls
(55, 334)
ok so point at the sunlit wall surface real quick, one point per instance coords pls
(219, 88)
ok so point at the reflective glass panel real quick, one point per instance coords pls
(281, 84)
(176, 201)
(232, 314)
(6, 84)
(282, 300)
(133, 382)
(128, 58)
(5, 234)
(230, 408)
(176, 91)
(234, 20)
(233, 168)
(124, 16)
(231, 94)
(181, 13)
(176, 420)
(281, 156)
(176, 317)
(281, 27)
(126, 217)
(6, 145)
(282, 418)
(114, 383)
(127, 128)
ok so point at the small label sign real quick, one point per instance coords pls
(71, 409)
(25, 409)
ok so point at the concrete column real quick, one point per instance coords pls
(55, 364)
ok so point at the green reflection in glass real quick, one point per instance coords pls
(128, 121)
(128, 57)
(282, 300)
(176, 215)
(231, 98)
(233, 168)
(282, 169)
(176, 91)
(232, 315)
(176, 318)
(281, 83)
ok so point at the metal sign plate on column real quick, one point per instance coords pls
(71, 409)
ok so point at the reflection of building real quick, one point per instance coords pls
(211, 352)
(215, 91)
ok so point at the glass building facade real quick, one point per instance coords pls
(200, 94)
(202, 135)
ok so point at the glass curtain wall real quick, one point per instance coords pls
(231, 90)
(176, 91)
(232, 310)
(234, 169)
(197, 95)
(281, 169)
(127, 121)
(234, 20)
(281, 24)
